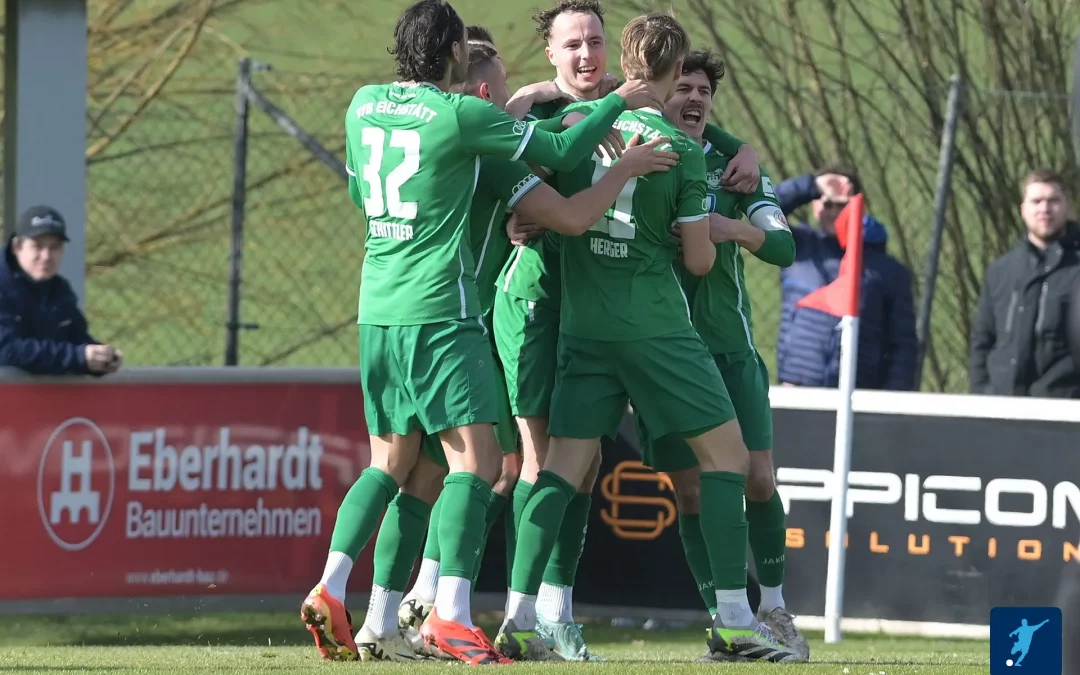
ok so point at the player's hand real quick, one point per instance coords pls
(640, 94)
(743, 172)
(521, 232)
(525, 98)
(608, 84)
(722, 228)
(642, 158)
(117, 361)
(611, 147)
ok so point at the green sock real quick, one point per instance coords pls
(697, 557)
(562, 566)
(400, 538)
(495, 509)
(522, 490)
(539, 526)
(360, 511)
(768, 539)
(431, 546)
(725, 530)
(462, 523)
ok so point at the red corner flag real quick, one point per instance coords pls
(841, 297)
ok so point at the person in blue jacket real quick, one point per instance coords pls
(808, 349)
(42, 329)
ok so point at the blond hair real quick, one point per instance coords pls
(651, 46)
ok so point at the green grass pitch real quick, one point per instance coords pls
(220, 643)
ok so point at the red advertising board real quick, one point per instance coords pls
(136, 490)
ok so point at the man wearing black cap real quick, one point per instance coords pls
(42, 330)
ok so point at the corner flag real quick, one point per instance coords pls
(841, 299)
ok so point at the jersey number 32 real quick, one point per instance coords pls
(385, 200)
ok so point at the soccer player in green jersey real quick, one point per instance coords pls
(626, 336)
(527, 306)
(720, 311)
(503, 185)
(413, 154)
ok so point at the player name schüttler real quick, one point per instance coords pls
(204, 522)
(611, 249)
(385, 230)
(417, 110)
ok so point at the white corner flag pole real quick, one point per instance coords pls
(845, 418)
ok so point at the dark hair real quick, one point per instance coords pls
(479, 34)
(651, 46)
(480, 58)
(546, 18)
(422, 40)
(1045, 176)
(706, 62)
(846, 172)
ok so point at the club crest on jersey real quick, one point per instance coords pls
(713, 179)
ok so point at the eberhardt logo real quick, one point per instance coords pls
(178, 490)
(73, 507)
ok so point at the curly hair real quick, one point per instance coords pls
(705, 61)
(545, 19)
(423, 38)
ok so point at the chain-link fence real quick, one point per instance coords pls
(162, 138)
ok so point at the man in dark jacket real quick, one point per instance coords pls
(808, 350)
(1019, 340)
(42, 330)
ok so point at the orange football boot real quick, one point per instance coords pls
(330, 623)
(464, 644)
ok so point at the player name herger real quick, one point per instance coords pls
(158, 466)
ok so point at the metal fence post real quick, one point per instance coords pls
(946, 159)
(239, 199)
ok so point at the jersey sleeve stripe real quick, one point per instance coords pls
(530, 183)
(350, 172)
(760, 205)
(532, 118)
(524, 142)
(691, 219)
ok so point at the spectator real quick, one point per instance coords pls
(42, 330)
(1019, 340)
(808, 350)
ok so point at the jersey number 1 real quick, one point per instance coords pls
(381, 202)
(618, 222)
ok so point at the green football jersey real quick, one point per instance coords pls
(501, 185)
(619, 281)
(720, 301)
(413, 157)
(532, 271)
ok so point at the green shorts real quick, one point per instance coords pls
(526, 339)
(428, 377)
(506, 431)
(747, 380)
(671, 379)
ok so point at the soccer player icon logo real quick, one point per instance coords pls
(1023, 635)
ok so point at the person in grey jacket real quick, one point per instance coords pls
(1019, 340)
